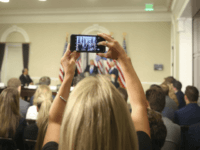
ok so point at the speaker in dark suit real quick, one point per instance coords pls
(92, 69)
(25, 78)
(113, 70)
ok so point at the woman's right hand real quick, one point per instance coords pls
(115, 51)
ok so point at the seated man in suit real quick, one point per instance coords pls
(25, 78)
(92, 69)
(170, 104)
(156, 99)
(113, 70)
(190, 114)
(179, 94)
(15, 83)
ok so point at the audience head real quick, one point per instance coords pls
(155, 86)
(177, 86)
(45, 81)
(156, 99)
(77, 79)
(14, 83)
(169, 80)
(91, 62)
(42, 90)
(25, 71)
(97, 117)
(191, 94)
(123, 93)
(43, 106)
(157, 128)
(165, 89)
(9, 111)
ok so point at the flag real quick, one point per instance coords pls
(121, 75)
(61, 70)
(99, 64)
(78, 65)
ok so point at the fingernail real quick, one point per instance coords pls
(99, 43)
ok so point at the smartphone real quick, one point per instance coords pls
(86, 43)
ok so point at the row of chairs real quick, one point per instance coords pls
(9, 144)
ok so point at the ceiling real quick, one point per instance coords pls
(81, 4)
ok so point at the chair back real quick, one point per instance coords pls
(7, 144)
(184, 135)
(29, 144)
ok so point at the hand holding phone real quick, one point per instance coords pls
(86, 43)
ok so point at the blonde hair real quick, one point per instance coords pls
(44, 106)
(42, 90)
(96, 117)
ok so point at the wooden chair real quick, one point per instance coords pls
(29, 144)
(7, 144)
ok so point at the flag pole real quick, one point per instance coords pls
(67, 35)
(124, 35)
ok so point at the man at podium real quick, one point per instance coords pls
(25, 78)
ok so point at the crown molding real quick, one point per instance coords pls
(117, 14)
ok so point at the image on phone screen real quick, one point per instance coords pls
(86, 43)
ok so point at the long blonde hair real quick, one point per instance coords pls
(9, 112)
(96, 118)
(42, 90)
(44, 106)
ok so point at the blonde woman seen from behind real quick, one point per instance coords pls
(96, 115)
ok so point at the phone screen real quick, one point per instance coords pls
(86, 43)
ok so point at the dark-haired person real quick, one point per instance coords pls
(193, 137)
(179, 94)
(11, 124)
(170, 105)
(25, 78)
(92, 69)
(158, 129)
(190, 114)
(113, 70)
(156, 99)
(15, 83)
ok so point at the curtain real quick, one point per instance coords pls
(2, 51)
(25, 51)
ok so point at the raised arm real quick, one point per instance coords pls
(58, 106)
(135, 91)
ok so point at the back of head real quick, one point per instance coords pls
(42, 90)
(97, 117)
(45, 81)
(77, 79)
(157, 128)
(192, 93)
(9, 111)
(156, 98)
(14, 83)
(44, 106)
(169, 80)
(165, 89)
(155, 86)
(123, 93)
(177, 85)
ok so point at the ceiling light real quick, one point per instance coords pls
(4, 1)
(43, 0)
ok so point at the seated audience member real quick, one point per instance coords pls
(12, 124)
(155, 85)
(169, 81)
(156, 99)
(193, 137)
(179, 94)
(43, 81)
(25, 78)
(41, 90)
(96, 115)
(113, 70)
(190, 114)
(170, 105)
(15, 83)
(31, 131)
(158, 129)
(92, 69)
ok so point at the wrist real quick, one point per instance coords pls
(68, 77)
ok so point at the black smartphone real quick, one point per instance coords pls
(86, 43)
